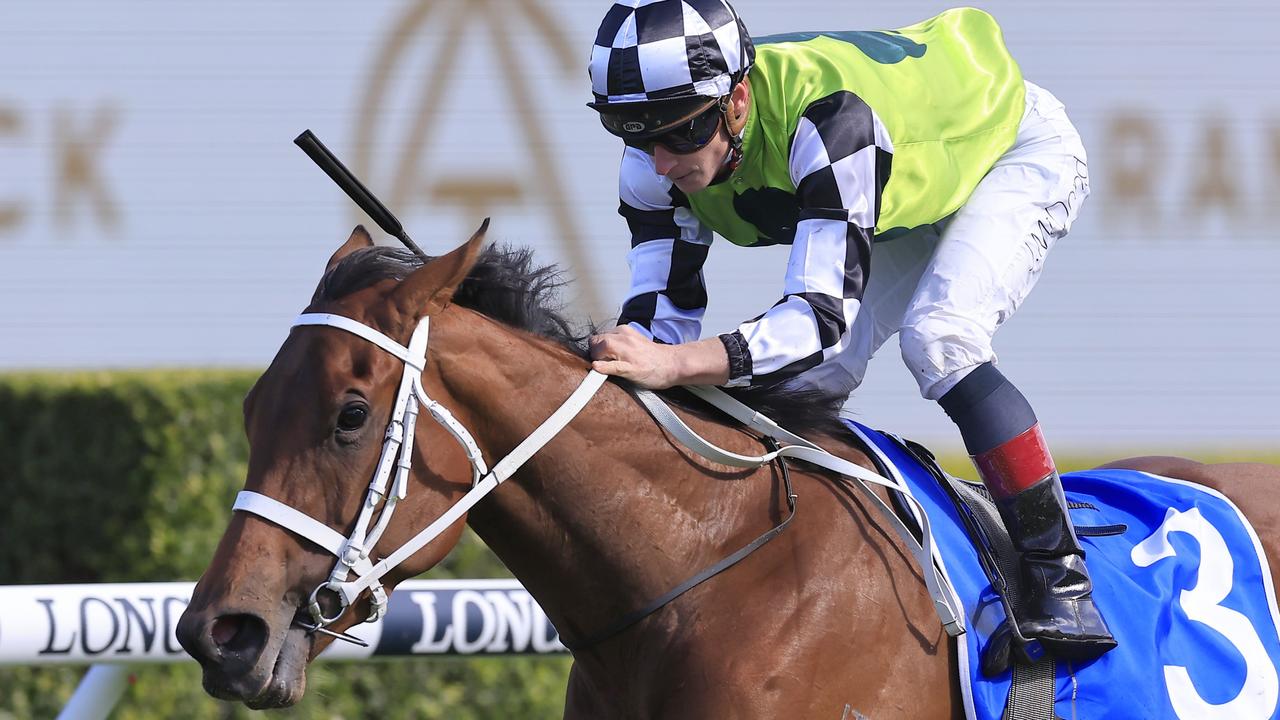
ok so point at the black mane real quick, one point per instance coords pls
(507, 286)
(504, 285)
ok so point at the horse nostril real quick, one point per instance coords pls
(224, 629)
(237, 634)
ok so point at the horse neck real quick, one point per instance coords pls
(596, 523)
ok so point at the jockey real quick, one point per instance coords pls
(921, 151)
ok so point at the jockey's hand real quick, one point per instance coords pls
(626, 353)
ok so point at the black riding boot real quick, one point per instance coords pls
(1002, 434)
(1058, 609)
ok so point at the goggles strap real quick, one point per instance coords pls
(735, 138)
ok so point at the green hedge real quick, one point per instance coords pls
(129, 477)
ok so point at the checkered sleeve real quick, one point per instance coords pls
(668, 297)
(840, 161)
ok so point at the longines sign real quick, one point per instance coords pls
(135, 622)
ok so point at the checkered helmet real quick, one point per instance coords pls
(656, 62)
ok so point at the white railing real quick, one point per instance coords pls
(115, 626)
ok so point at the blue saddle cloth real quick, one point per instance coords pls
(1185, 588)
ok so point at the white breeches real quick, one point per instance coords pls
(946, 288)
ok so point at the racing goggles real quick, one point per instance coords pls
(686, 132)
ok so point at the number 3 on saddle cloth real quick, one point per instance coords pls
(1179, 574)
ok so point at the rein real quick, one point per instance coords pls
(353, 551)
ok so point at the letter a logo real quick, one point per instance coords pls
(457, 121)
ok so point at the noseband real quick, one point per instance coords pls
(397, 450)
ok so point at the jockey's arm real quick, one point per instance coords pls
(667, 298)
(840, 161)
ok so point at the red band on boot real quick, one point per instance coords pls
(1016, 465)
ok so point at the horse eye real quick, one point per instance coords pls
(352, 417)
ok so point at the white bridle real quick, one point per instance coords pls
(397, 450)
(353, 551)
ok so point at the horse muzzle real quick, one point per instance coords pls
(243, 660)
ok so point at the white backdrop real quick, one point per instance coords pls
(154, 212)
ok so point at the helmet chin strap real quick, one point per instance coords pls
(733, 158)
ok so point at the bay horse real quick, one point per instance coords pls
(829, 620)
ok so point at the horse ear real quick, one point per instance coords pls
(359, 239)
(430, 288)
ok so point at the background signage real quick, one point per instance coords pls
(153, 210)
(135, 623)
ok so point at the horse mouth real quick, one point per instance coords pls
(288, 679)
(283, 686)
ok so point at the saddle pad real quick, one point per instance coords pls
(1186, 590)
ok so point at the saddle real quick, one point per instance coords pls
(1031, 695)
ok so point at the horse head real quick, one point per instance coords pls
(316, 421)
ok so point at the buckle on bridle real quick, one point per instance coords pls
(320, 620)
(317, 613)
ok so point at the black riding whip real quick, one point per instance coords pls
(355, 189)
